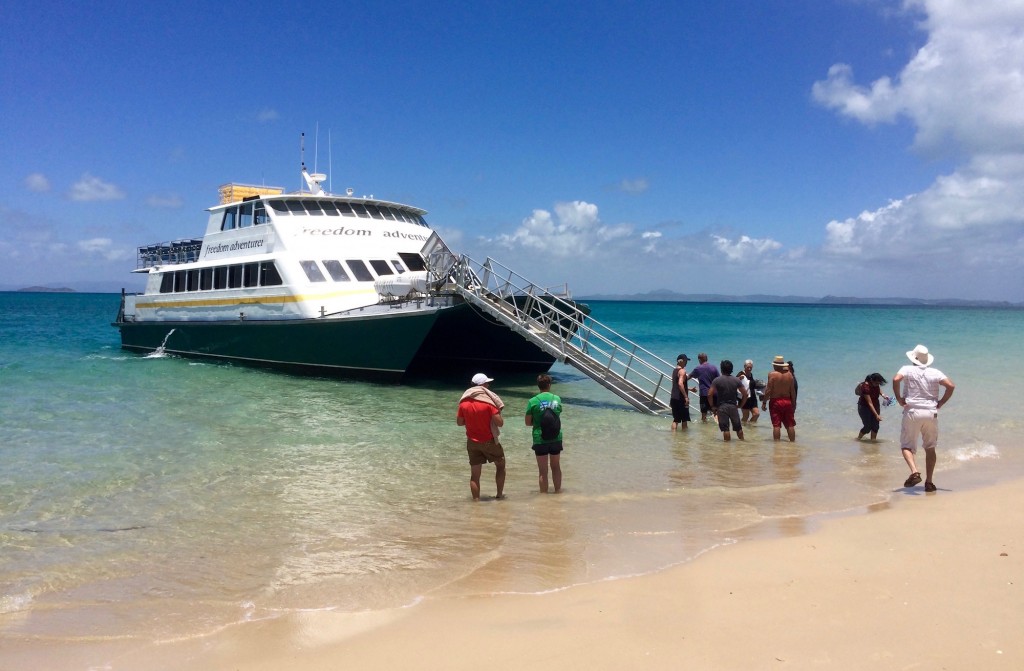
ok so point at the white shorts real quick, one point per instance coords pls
(919, 422)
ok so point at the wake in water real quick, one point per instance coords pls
(161, 351)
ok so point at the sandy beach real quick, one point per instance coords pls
(928, 581)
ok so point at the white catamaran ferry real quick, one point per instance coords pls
(312, 282)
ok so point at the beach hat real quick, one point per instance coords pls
(480, 379)
(682, 357)
(780, 363)
(919, 356)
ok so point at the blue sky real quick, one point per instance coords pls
(808, 147)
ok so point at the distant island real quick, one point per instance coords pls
(666, 296)
(51, 290)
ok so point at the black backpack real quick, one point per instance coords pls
(550, 424)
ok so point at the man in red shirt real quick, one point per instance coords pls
(480, 412)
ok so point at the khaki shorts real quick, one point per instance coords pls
(481, 453)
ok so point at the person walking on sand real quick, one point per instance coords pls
(480, 412)
(544, 414)
(725, 396)
(780, 399)
(916, 388)
(679, 401)
(704, 373)
(750, 411)
(868, 406)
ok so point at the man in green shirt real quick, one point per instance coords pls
(543, 413)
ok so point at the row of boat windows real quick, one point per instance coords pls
(265, 274)
(356, 269)
(255, 213)
(261, 274)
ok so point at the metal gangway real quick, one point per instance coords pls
(556, 325)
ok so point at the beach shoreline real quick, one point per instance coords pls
(929, 580)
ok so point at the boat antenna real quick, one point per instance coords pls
(330, 165)
(316, 146)
(302, 154)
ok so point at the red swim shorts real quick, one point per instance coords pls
(782, 413)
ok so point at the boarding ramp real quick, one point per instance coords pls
(556, 325)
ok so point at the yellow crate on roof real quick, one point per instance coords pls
(230, 193)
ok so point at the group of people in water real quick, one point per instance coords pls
(733, 399)
(726, 396)
(730, 399)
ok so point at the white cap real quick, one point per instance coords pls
(480, 379)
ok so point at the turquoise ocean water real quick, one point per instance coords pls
(154, 498)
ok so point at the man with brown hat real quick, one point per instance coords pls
(780, 399)
(920, 400)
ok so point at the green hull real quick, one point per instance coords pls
(376, 347)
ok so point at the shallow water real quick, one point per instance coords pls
(156, 497)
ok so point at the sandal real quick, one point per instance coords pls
(912, 480)
(930, 487)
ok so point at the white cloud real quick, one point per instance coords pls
(745, 248)
(91, 188)
(574, 230)
(37, 182)
(633, 186)
(171, 201)
(104, 248)
(964, 92)
(266, 115)
(965, 86)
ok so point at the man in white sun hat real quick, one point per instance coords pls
(916, 388)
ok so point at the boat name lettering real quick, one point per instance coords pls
(361, 231)
(234, 246)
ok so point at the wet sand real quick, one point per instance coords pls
(929, 581)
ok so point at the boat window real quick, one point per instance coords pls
(329, 208)
(381, 267)
(295, 207)
(374, 211)
(398, 266)
(313, 207)
(360, 210)
(403, 216)
(336, 270)
(412, 261)
(345, 209)
(220, 277)
(420, 220)
(260, 214)
(245, 215)
(279, 206)
(312, 271)
(269, 277)
(388, 214)
(251, 274)
(179, 280)
(206, 279)
(166, 283)
(359, 270)
(234, 277)
(228, 222)
(192, 280)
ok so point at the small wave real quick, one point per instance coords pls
(14, 603)
(976, 451)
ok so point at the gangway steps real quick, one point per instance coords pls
(557, 327)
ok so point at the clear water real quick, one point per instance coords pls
(156, 497)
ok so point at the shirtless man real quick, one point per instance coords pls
(780, 399)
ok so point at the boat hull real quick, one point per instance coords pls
(378, 347)
(451, 342)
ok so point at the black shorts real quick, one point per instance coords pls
(545, 449)
(680, 410)
(705, 407)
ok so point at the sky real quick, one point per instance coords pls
(869, 148)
